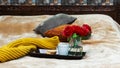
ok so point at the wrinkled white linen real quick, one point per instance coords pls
(102, 50)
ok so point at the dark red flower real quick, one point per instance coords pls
(87, 27)
(68, 31)
(85, 31)
(78, 30)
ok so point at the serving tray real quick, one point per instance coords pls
(40, 55)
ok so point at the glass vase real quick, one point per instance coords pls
(76, 48)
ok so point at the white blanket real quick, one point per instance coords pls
(102, 50)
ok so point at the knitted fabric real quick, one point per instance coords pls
(22, 47)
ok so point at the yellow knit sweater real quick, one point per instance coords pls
(21, 47)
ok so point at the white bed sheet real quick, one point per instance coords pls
(103, 49)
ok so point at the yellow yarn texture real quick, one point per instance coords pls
(22, 47)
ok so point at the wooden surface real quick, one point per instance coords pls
(118, 11)
(112, 11)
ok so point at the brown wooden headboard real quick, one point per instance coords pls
(111, 10)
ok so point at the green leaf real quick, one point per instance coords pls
(74, 35)
(86, 37)
(68, 39)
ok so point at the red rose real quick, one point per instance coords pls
(82, 31)
(68, 31)
(85, 31)
(87, 27)
(78, 30)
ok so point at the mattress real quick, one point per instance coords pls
(102, 49)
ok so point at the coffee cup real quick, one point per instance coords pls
(63, 48)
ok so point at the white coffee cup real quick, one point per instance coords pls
(63, 48)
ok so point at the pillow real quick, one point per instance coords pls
(57, 31)
(53, 22)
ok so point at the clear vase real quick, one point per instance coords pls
(76, 48)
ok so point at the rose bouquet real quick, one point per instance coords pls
(75, 34)
(73, 31)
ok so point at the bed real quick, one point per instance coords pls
(102, 50)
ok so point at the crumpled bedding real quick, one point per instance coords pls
(102, 49)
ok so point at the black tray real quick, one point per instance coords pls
(34, 54)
